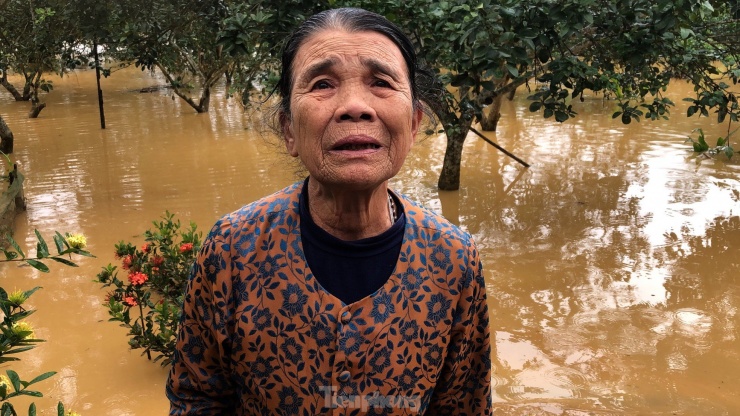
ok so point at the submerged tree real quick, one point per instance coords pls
(180, 38)
(33, 37)
(95, 23)
(628, 50)
(253, 37)
(6, 137)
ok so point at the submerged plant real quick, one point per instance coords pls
(156, 276)
(701, 146)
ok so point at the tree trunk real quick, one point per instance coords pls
(449, 178)
(209, 80)
(36, 104)
(205, 99)
(6, 138)
(100, 91)
(11, 89)
(27, 88)
(456, 128)
(489, 122)
(36, 108)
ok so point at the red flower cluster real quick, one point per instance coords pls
(146, 248)
(130, 301)
(185, 247)
(157, 261)
(137, 278)
(127, 261)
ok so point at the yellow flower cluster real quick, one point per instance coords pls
(77, 241)
(17, 297)
(5, 381)
(71, 413)
(21, 326)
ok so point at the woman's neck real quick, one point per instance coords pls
(349, 215)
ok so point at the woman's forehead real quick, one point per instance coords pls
(333, 47)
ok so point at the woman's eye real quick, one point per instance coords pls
(382, 83)
(321, 85)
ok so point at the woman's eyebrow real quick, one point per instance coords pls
(316, 69)
(380, 67)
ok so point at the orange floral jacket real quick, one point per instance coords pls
(260, 336)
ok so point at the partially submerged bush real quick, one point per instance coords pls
(156, 276)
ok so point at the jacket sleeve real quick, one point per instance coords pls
(464, 386)
(199, 382)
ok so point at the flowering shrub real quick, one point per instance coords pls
(156, 276)
(17, 335)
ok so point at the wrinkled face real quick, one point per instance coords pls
(352, 118)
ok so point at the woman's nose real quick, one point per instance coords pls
(355, 106)
(350, 116)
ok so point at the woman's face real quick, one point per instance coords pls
(352, 119)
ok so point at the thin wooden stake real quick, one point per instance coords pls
(100, 91)
(506, 152)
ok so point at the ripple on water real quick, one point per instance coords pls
(569, 379)
(548, 382)
(520, 392)
(694, 325)
(586, 320)
(497, 380)
(677, 361)
(565, 340)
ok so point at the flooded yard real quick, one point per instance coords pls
(612, 263)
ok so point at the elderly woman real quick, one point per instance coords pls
(337, 295)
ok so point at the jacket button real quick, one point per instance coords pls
(346, 316)
(344, 376)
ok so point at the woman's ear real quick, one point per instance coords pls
(288, 136)
(416, 118)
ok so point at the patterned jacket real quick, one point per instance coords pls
(260, 336)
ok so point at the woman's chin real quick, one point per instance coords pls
(354, 179)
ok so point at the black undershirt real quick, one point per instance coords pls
(350, 270)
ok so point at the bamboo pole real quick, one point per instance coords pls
(504, 151)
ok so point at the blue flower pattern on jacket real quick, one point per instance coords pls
(260, 336)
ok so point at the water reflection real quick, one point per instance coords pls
(612, 263)
(583, 279)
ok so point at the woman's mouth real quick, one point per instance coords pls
(357, 146)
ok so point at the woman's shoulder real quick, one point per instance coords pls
(427, 221)
(264, 208)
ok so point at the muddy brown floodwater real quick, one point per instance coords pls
(612, 264)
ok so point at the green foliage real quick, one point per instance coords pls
(157, 274)
(560, 50)
(34, 37)
(180, 38)
(10, 170)
(253, 34)
(702, 147)
(627, 51)
(16, 335)
(63, 245)
(722, 99)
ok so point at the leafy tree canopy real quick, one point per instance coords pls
(628, 50)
